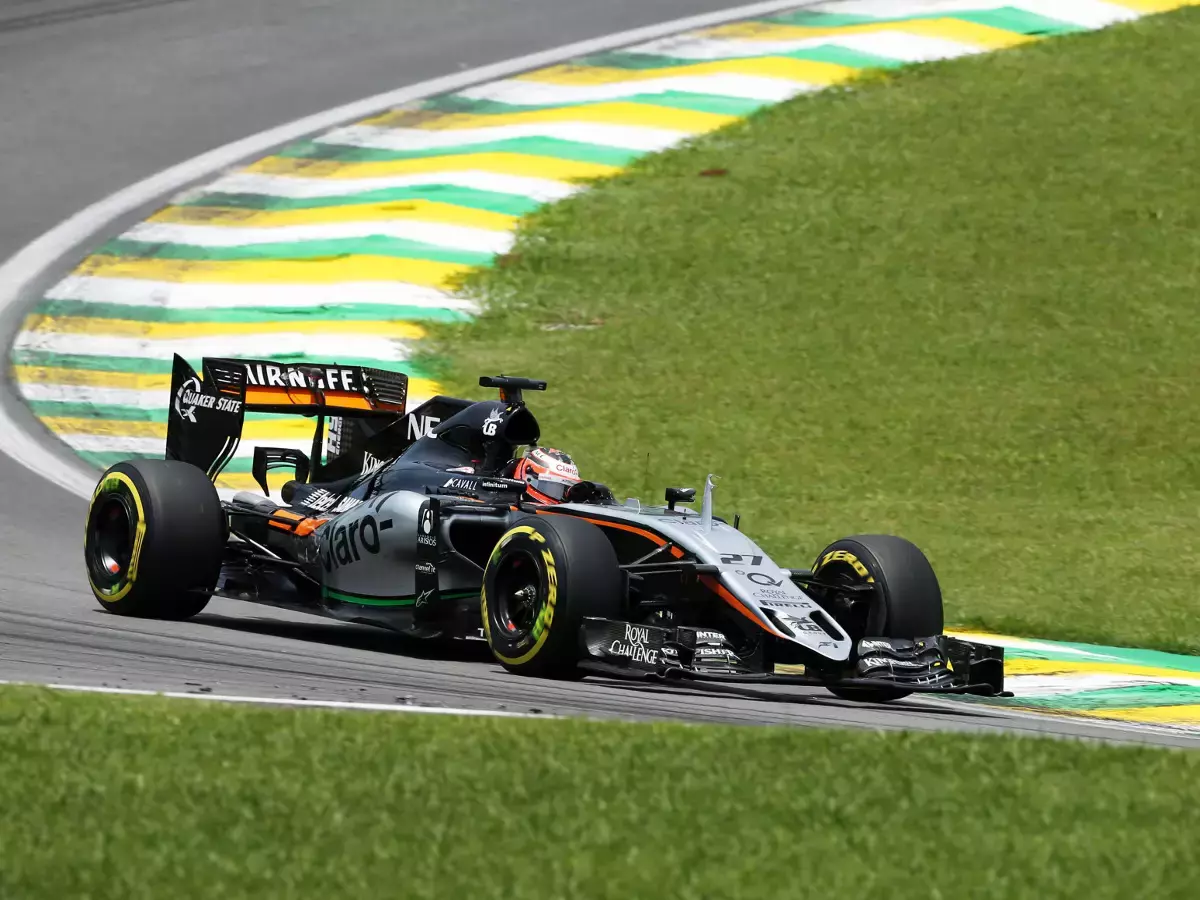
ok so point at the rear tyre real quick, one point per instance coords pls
(546, 574)
(155, 536)
(907, 605)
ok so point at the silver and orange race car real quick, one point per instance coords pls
(436, 522)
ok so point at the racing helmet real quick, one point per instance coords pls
(549, 474)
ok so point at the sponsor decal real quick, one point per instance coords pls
(872, 662)
(328, 378)
(426, 568)
(709, 636)
(425, 533)
(714, 653)
(371, 463)
(761, 578)
(322, 500)
(776, 594)
(492, 423)
(633, 646)
(423, 598)
(421, 426)
(802, 624)
(501, 485)
(461, 484)
(865, 646)
(348, 542)
(784, 604)
(191, 397)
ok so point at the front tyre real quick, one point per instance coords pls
(155, 536)
(545, 575)
(906, 604)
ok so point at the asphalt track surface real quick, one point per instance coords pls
(97, 95)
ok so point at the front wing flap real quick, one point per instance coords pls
(937, 664)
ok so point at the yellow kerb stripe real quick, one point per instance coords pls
(166, 331)
(421, 210)
(1154, 6)
(316, 271)
(947, 29)
(1152, 715)
(495, 163)
(281, 428)
(244, 481)
(762, 67)
(615, 113)
(1089, 667)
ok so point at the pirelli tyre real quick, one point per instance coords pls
(545, 575)
(908, 603)
(155, 535)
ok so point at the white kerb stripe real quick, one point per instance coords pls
(437, 234)
(541, 189)
(317, 346)
(627, 137)
(1087, 13)
(195, 295)
(521, 92)
(897, 45)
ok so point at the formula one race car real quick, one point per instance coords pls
(450, 520)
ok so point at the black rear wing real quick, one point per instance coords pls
(204, 423)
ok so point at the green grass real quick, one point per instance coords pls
(958, 303)
(136, 798)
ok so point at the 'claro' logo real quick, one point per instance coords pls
(347, 542)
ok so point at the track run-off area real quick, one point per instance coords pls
(341, 236)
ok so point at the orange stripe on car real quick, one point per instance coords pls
(609, 523)
(725, 594)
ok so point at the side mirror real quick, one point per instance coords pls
(680, 495)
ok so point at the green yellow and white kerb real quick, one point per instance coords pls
(345, 246)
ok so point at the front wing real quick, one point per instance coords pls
(935, 665)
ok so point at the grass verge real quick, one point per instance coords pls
(956, 302)
(138, 798)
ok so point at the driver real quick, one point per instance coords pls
(549, 474)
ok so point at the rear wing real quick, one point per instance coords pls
(204, 423)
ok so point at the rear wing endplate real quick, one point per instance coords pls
(204, 423)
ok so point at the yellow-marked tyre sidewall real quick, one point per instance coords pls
(578, 576)
(120, 484)
(177, 533)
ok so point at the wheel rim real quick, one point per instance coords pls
(110, 540)
(518, 593)
(858, 617)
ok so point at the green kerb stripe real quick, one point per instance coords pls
(1006, 18)
(530, 146)
(371, 312)
(376, 245)
(489, 201)
(1148, 696)
(623, 59)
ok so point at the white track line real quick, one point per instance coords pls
(284, 701)
(20, 272)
